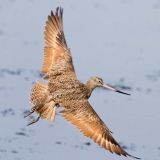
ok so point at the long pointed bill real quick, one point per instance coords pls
(113, 89)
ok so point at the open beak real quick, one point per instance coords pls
(113, 89)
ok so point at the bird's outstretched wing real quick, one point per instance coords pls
(57, 57)
(82, 115)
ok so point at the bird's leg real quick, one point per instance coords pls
(32, 111)
(28, 114)
(34, 121)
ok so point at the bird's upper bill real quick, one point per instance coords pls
(113, 89)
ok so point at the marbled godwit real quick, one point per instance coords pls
(65, 90)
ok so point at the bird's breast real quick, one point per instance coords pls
(64, 88)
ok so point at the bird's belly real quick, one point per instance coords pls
(67, 93)
(65, 87)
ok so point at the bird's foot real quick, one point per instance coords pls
(30, 112)
(34, 121)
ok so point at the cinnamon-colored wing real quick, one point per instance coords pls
(83, 116)
(57, 57)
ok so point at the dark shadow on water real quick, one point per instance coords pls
(21, 133)
(87, 143)
(7, 112)
(131, 147)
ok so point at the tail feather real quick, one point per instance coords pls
(39, 93)
(48, 111)
(42, 104)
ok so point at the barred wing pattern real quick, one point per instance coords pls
(57, 57)
(82, 115)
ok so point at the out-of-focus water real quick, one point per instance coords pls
(116, 40)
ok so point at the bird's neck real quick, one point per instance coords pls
(90, 88)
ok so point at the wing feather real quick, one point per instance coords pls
(83, 116)
(57, 56)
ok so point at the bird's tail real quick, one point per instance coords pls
(47, 111)
(39, 93)
(42, 104)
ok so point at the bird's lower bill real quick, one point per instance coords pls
(113, 89)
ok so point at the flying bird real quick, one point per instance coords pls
(63, 89)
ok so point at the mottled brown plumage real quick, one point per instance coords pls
(65, 90)
(42, 101)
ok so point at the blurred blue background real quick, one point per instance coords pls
(118, 40)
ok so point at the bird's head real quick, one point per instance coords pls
(98, 82)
